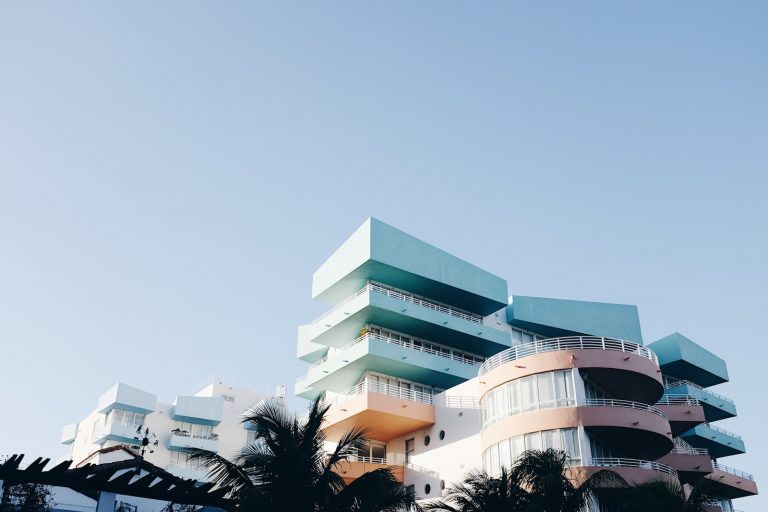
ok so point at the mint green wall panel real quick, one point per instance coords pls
(560, 317)
(382, 253)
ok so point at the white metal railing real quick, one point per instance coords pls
(674, 383)
(184, 433)
(723, 431)
(610, 402)
(681, 399)
(369, 386)
(462, 402)
(449, 353)
(371, 460)
(732, 471)
(614, 462)
(565, 343)
(422, 469)
(681, 446)
(405, 297)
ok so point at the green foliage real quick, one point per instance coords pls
(667, 496)
(286, 469)
(26, 498)
(537, 482)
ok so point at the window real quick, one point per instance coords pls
(507, 451)
(427, 439)
(442, 435)
(531, 393)
(410, 448)
(128, 418)
(427, 489)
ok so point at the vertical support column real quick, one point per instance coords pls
(106, 502)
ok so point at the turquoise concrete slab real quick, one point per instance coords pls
(379, 252)
(715, 406)
(127, 398)
(309, 351)
(685, 359)
(560, 317)
(343, 370)
(419, 321)
(719, 444)
(204, 410)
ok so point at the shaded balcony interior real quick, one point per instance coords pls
(402, 311)
(379, 252)
(392, 354)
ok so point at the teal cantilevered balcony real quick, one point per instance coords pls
(127, 398)
(405, 312)
(414, 360)
(686, 360)
(203, 410)
(381, 253)
(716, 406)
(719, 442)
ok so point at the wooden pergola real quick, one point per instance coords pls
(135, 477)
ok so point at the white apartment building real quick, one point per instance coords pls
(210, 418)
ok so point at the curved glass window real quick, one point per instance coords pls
(531, 393)
(505, 452)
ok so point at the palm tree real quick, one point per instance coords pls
(286, 468)
(481, 492)
(544, 474)
(667, 495)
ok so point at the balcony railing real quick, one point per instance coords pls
(613, 462)
(405, 297)
(678, 400)
(610, 402)
(674, 383)
(369, 386)
(184, 433)
(448, 354)
(682, 447)
(723, 431)
(732, 471)
(370, 460)
(565, 343)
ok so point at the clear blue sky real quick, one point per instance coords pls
(171, 174)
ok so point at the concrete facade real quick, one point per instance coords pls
(419, 349)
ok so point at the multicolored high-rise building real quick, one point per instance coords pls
(447, 372)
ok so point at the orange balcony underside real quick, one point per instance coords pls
(350, 470)
(732, 486)
(383, 417)
(689, 467)
(683, 417)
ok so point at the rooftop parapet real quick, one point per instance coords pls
(559, 317)
(685, 359)
(379, 252)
